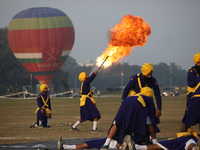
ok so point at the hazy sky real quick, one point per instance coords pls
(175, 26)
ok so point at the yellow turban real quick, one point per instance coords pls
(147, 68)
(42, 87)
(147, 91)
(196, 58)
(82, 76)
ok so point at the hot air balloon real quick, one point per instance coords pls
(41, 39)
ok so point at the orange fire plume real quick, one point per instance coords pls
(131, 31)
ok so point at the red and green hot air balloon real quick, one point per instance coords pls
(41, 39)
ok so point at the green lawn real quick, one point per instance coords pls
(17, 115)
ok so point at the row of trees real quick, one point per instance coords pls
(13, 75)
(111, 77)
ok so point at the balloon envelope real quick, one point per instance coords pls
(41, 39)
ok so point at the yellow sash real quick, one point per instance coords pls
(139, 82)
(197, 95)
(190, 132)
(132, 92)
(193, 90)
(190, 89)
(47, 110)
(83, 97)
(196, 87)
(140, 99)
(45, 102)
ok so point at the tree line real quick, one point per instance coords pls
(112, 77)
(13, 75)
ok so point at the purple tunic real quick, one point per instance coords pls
(151, 110)
(131, 117)
(89, 111)
(192, 114)
(178, 143)
(192, 82)
(40, 104)
(133, 84)
(96, 143)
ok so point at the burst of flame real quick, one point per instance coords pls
(131, 31)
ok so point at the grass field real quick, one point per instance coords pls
(17, 115)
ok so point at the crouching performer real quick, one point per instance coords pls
(185, 140)
(136, 115)
(88, 109)
(44, 107)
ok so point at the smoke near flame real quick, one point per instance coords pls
(131, 31)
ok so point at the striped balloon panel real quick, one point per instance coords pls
(41, 39)
(32, 48)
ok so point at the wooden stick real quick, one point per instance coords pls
(102, 64)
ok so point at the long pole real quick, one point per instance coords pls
(102, 64)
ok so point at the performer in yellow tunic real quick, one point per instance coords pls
(88, 109)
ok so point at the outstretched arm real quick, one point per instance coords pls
(91, 78)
